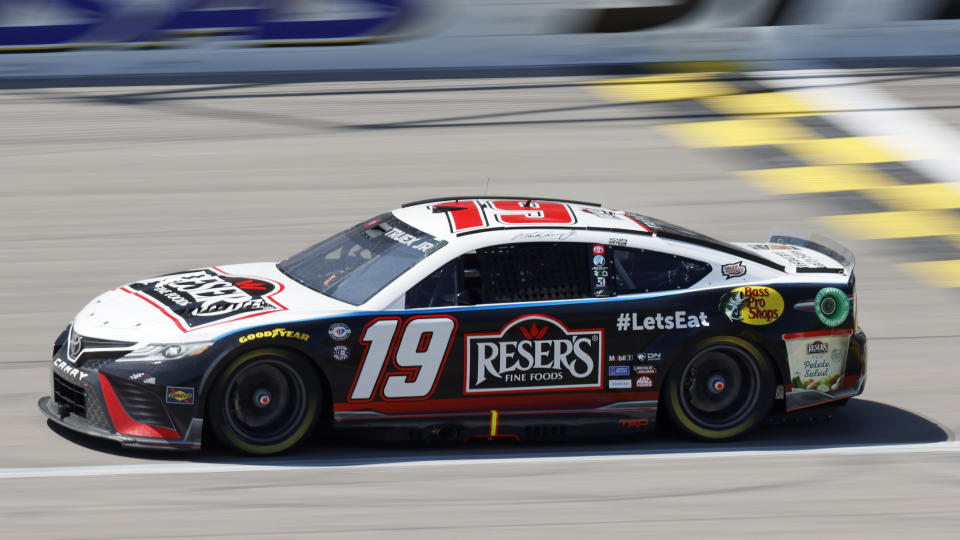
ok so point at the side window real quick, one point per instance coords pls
(640, 271)
(438, 289)
(507, 273)
(529, 272)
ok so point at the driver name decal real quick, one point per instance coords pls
(209, 296)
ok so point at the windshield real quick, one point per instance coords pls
(356, 264)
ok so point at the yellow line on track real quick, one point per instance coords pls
(670, 87)
(940, 273)
(817, 179)
(898, 224)
(739, 132)
(933, 196)
(773, 104)
(842, 150)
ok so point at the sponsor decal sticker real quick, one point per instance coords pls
(136, 376)
(634, 423)
(620, 358)
(644, 382)
(205, 297)
(338, 332)
(679, 320)
(600, 272)
(600, 212)
(649, 356)
(733, 270)
(817, 359)
(644, 370)
(618, 383)
(533, 353)
(150, 380)
(755, 306)
(340, 352)
(622, 242)
(180, 395)
(832, 306)
(275, 333)
(776, 247)
(68, 370)
(618, 371)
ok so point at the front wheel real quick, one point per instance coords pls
(265, 402)
(721, 392)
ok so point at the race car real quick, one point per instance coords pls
(469, 317)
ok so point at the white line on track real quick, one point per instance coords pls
(862, 109)
(948, 447)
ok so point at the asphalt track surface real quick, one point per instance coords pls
(104, 185)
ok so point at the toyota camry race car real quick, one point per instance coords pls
(469, 317)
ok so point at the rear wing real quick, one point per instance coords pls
(821, 244)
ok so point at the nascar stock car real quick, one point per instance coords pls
(469, 317)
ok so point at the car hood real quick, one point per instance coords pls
(201, 304)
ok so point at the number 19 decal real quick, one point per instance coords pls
(418, 352)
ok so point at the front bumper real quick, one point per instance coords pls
(54, 411)
(85, 400)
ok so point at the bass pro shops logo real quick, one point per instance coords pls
(756, 306)
(208, 296)
(533, 353)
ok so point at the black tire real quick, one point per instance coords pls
(722, 392)
(265, 402)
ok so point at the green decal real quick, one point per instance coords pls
(832, 306)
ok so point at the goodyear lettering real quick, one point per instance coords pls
(275, 333)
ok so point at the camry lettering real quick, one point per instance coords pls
(69, 370)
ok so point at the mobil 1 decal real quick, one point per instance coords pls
(533, 353)
(208, 296)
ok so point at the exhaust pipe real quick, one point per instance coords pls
(446, 432)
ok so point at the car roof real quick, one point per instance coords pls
(450, 217)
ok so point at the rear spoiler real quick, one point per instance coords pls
(821, 244)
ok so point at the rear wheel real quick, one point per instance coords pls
(721, 392)
(265, 402)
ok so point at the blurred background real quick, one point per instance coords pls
(140, 137)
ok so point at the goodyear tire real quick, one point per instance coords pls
(721, 392)
(265, 402)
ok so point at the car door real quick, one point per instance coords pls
(527, 338)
